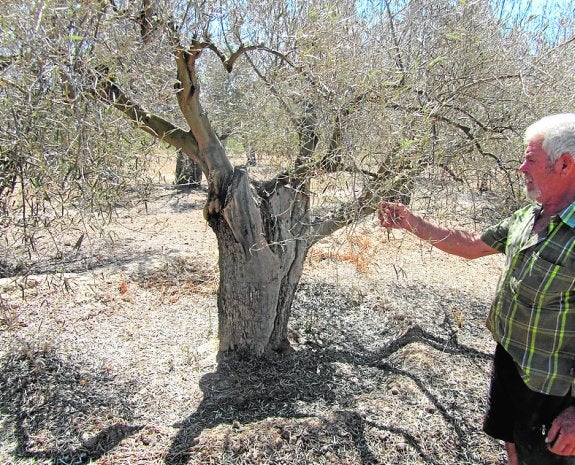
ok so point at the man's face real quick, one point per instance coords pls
(538, 173)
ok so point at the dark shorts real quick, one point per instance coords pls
(519, 415)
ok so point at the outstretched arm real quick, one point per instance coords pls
(452, 241)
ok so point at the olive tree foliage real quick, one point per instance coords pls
(344, 103)
(66, 161)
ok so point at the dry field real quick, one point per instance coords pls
(112, 359)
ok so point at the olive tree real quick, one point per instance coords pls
(358, 101)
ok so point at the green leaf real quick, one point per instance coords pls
(453, 36)
(406, 143)
(435, 61)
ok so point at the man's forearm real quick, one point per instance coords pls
(452, 241)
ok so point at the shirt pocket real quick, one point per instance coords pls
(541, 283)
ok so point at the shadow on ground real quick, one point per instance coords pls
(322, 381)
(52, 401)
(307, 385)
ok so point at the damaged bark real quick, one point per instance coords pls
(261, 259)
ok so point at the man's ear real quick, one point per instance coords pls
(566, 163)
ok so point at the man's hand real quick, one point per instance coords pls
(393, 215)
(561, 437)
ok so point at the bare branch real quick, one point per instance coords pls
(109, 92)
(146, 21)
(396, 50)
(272, 88)
(347, 214)
(566, 42)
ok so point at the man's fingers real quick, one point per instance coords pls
(382, 217)
(552, 434)
(561, 443)
(385, 216)
(561, 437)
(390, 215)
(563, 446)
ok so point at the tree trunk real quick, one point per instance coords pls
(261, 255)
(187, 172)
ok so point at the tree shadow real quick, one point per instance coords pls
(248, 391)
(51, 401)
(182, 203)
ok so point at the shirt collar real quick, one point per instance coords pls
(568, 215)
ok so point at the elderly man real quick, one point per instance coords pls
(532, 318)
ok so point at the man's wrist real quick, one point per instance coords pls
(411, 224)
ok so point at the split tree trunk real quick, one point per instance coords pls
(261, 249)
(261, 255)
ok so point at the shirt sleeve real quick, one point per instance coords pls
(496, 235)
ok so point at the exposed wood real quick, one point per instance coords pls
(261, 261)
(211, 151)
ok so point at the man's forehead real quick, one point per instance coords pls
(535, 145)
(536, 141)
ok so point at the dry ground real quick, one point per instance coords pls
(112, 361)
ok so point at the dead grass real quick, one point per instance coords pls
(8, 315)
(181, 276)
(118, 367)
(356, 249)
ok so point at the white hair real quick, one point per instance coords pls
(558, 133)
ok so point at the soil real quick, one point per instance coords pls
(112, 360)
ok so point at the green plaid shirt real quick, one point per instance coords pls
(533, 314)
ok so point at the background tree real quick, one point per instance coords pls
(353, 102)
